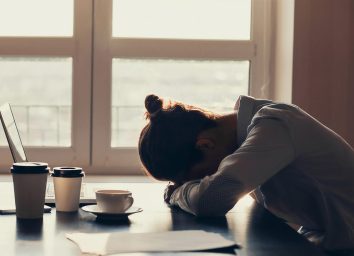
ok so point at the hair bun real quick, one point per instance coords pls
(153, 103)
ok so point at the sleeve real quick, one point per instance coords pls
(267, 150)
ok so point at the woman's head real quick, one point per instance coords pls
(167, 144)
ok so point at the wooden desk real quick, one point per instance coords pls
(259, 232)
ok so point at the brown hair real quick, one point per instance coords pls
(167, 143)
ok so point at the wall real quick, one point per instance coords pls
(323, 62)
(282, 12)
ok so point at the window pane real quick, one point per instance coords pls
(36, 17)
(39, 89)
(214, 85)
(182, 19)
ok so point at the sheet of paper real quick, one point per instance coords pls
(170, 241)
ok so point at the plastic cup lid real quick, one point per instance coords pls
(30, 167)
(69, 172)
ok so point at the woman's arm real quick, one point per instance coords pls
(267, 150)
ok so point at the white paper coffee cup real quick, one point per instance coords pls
(67, 188)
(30, 182)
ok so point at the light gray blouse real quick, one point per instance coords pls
(299, 169)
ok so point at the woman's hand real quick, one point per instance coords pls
(171, 187)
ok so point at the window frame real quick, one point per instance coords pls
(125, 160)
(79, 48)
(92, 49)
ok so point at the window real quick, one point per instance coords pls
(77, 71)
(36, 18)
(45, 73)
(183, 19)
(215, 85)
(44, 110)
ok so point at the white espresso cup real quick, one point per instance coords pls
(67, 188)
(114, 201)
(30, 181)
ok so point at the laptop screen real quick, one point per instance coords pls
(12, 134)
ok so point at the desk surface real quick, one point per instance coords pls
(258, 232)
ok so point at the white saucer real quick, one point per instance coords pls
(111, 215)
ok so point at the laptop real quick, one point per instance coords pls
(18, 153)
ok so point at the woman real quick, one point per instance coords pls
(295, 166)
